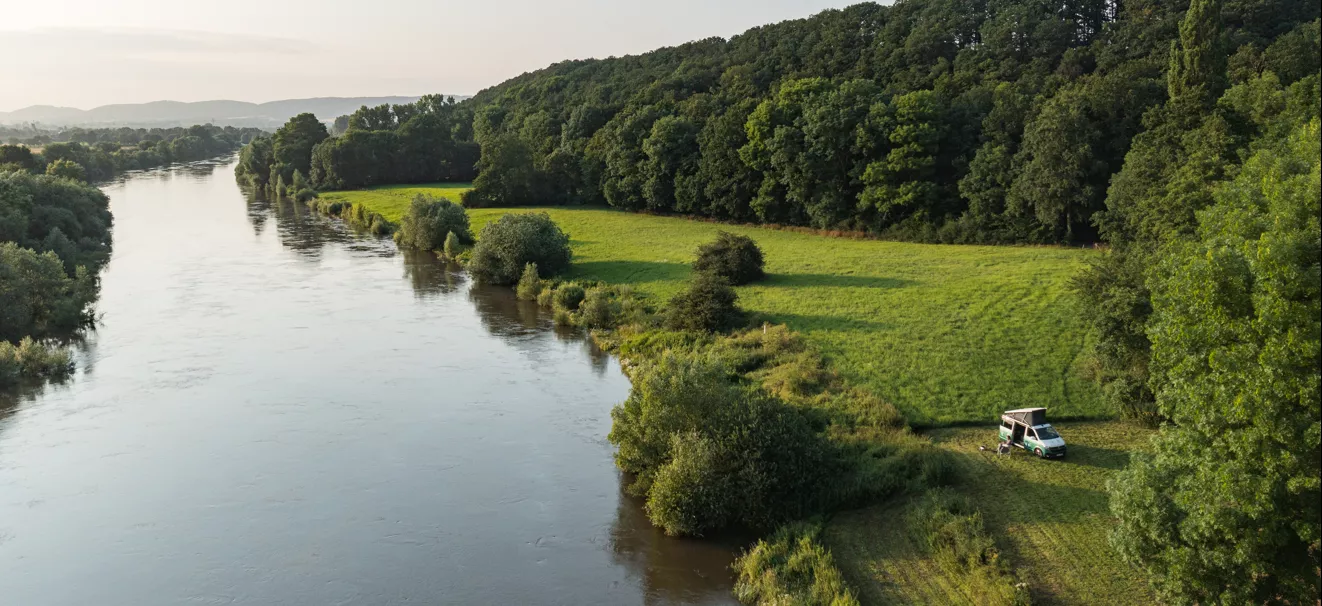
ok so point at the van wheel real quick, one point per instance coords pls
(1041, 454)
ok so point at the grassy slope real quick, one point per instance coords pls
(948, 333)
(1050, 517)
(392, 201)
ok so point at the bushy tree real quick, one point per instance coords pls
(711, 454)
(1228, 506)
(37, 297)
(291, 148)
(708, 304)
(515, 240)
(66, 169)
(430, 220)
(733, 257)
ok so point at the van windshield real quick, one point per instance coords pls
(1046, 432)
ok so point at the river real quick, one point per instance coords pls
(275, 410)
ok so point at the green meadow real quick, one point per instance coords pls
(1049, 518)
(392, 201)
(950, 334)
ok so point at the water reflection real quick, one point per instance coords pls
(428, 275)
(672, 571)
(285, 411)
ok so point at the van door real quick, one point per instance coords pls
(1019, 434)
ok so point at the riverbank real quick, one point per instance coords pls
(881, 310)
(949, 334)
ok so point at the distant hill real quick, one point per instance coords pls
(177, 113)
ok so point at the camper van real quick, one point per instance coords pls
(1028, 429)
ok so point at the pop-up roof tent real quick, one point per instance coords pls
(1031, 417)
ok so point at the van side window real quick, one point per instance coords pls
(1007, 425)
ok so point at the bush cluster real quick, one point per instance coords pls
(32, 359)
(515, 240)
(735, 258)
(710, 453)
(430, 221)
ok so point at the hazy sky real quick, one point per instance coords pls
(85, 53)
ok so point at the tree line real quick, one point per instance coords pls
(425, 141)
(97, 154)
(942, 120)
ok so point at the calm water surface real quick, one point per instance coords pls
(275, 410)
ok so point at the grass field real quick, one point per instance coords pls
(392, 201)
(949, 334)
(1049, 517)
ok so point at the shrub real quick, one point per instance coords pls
(948, 526)
(545, 297)
(709, 453)
(452, 244)
(516, 240)
(707, 305)
(67, 169)
(791, 567)
(430, 220)
(568, 297)
(32, 359)
(598, 310)
(305, 194)
(735, 258)
(530, 285)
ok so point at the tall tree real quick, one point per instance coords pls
(1227, 507)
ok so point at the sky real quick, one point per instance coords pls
(86, 53)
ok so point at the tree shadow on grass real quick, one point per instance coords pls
(625, 272)
(1096, 456)
(833, 281)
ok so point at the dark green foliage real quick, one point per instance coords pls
(708, 304)
(530, 283)
(425, 141)
(735, 258)
(430, 220)
(45, 213)
(791, 567)
(1117, 305)
(506, 175)
(951, 529)
(514, 241)
(567, 297)
(1001, 122)
(37, 297)
(291, 146)
(1228, 507)
(711, 454)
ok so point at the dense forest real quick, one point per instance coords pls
(99, 153)
(428, 140)
(941, 120)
